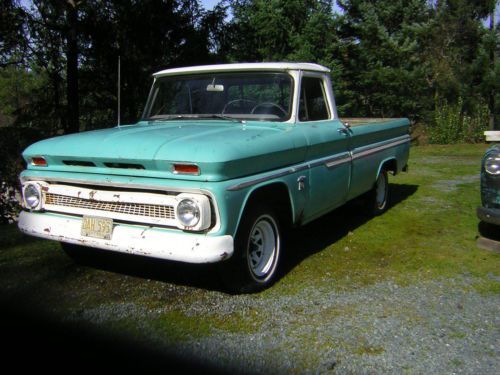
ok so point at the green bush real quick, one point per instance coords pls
(13, 141)
(451, 124)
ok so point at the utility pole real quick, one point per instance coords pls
(73, 125)
(491, 100)
(119, 78)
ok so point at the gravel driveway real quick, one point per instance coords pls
(428, 327)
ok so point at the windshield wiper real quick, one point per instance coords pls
(221, 117)
(169, 117)
(191, 117)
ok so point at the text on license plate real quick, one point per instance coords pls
(98, 227)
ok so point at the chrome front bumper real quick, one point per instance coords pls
(131, 239)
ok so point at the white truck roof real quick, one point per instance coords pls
(266, 66)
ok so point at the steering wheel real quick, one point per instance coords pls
(269, 104)
(231, 102)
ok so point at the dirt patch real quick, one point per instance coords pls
(453, 184)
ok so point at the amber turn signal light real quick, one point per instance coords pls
(39, 161)
(186, 169)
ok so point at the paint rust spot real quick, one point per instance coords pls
(144, 231)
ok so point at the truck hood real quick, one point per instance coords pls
(222, 149)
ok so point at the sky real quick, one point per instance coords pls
(209, 4)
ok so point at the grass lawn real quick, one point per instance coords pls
(430, 231)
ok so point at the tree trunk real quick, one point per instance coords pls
(73, 124)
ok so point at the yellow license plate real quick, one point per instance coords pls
(97, 227)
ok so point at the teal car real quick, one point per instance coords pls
(489, 210)
(224, 161)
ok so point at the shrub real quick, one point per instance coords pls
(451, 124)
(13, 141)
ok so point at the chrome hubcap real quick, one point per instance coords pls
(262, 247)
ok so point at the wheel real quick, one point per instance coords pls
(379, 195)
(253, 266)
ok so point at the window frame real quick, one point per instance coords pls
(326, 96)
(293, 87)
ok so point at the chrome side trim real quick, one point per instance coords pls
(369, 150)
(338, 161)
(331, 161)
(265, 178)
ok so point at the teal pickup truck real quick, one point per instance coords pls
(225, 159)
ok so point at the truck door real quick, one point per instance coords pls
(328, 148)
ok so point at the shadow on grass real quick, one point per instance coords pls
(489, 231)
(10, 235)
(305, 241)
(321, 233)
(37, 341)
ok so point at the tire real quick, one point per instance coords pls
(488, 230)
(258, 249)
(378, 197)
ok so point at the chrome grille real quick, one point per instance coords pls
(139, 209)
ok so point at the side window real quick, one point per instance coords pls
(312, 105)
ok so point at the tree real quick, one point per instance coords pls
(269, 30)
(381, 44)
(149, 36)
(13, 38)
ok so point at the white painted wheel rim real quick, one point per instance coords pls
(263, 247)
(381, 191)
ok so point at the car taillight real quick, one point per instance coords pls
(186, 169)
(39, 161)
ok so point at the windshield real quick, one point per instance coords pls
(244, 96)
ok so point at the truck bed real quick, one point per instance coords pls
(359, 121)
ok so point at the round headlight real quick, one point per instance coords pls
(32, 196)
(188, 212)
(492, 164)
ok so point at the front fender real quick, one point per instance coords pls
(238, 196)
